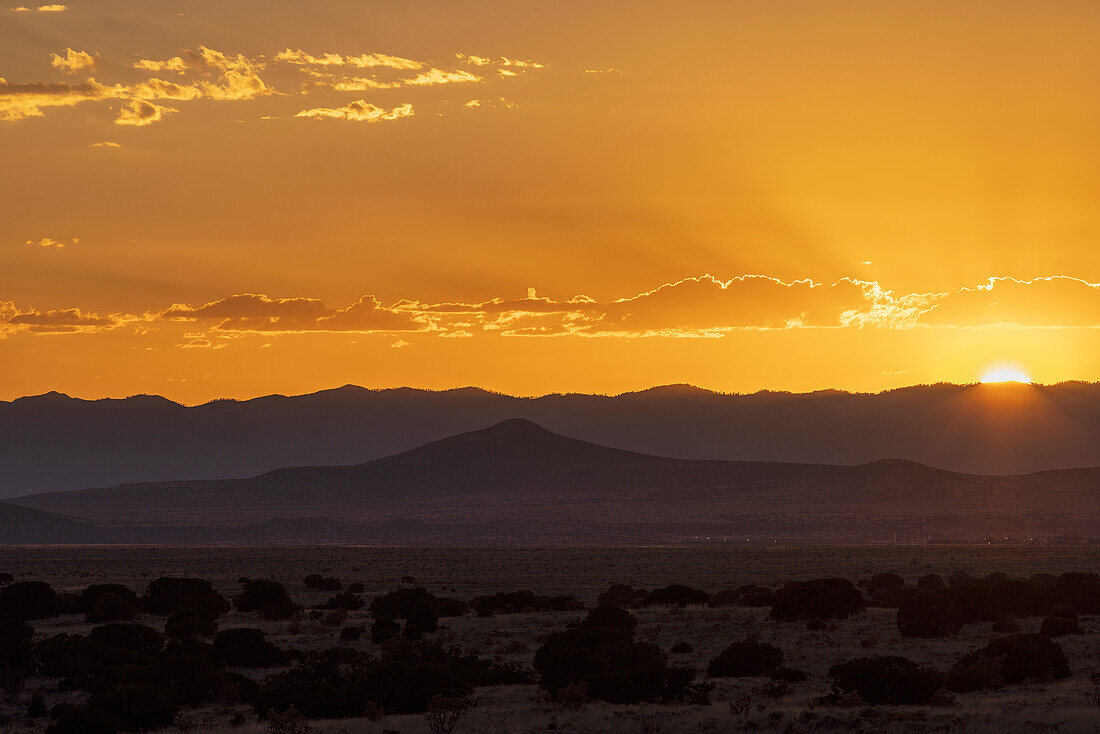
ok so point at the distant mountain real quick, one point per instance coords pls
(518, 482)
(54, 442)
(23, 525)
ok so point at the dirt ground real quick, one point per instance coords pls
(1066, 706)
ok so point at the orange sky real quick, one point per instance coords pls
(248, 197)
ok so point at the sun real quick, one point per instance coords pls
(1005, 374)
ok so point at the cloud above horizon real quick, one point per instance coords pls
(697, 307)
(212, 75)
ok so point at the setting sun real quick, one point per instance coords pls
(1005, 375)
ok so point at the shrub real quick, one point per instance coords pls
(724, 598)
(243, 647)
(676, 595)
(85, 719)
(423, 616)
(128, 636)
(168, 594)
(348, 602)
(351, 634)
(412, 633)
(1060, 626)
(73, 658)
(17, 654)
(28, 600)
(137, 706)
(289, 722)
(37, 706)
(745, 659)
(890, 681)
(830, 598)
(609, 617)
(383, 629)
(883, 581)
(6, 578)
(681, 648)
(1009, 660)
(620, 595)
(516, 602)
(1081, 591)
(751, 595)
(264, 595)
(184, 624)
(817, 624)
(789, 675)
(929, 615)
(355, 588)
(614, 667)
(399, 603)
(324, 583)
(931, 583)
(108, 603)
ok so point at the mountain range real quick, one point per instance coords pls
(54, 442)
(516, 482)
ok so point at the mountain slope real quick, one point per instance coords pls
(516, 475)
(989, 429)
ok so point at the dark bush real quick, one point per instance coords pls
(184, 624)
(751, 595)
(351, 633)
(108, 603)
(724, 598)
(681, 648)
(384, 628)
(817, 624)
(84, 719)
(1009, 660)
(676, 595)
(265, 596)
(137, 706)
(346, 601)
(355, 588)
(517, 602)
(825, 598)
(886, 681)
(1081, 591)
(929, 615)
(883, 581)
(17, 654)
(976, 602)
(931, 583)
(412, 633)
(612, 666)
(243, 647)
(128, 636)
(37, 706)
(6, 578)
(344, 682)
(28, 600)
(324, 583)
(745, 659)
(789, 675)
(167, 594)
(1060, 626)
(73, 658)
(609, 617)
(620, 595)
(398, 604)
(423, 616)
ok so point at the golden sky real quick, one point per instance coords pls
(232, 199)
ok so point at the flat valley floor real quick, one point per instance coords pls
(1066, 706)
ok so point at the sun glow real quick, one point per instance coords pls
(1005, 374)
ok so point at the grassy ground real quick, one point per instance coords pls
(1067, 706)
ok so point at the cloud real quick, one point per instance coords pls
(361, 61)
(1041, 302)
(432, 77)
(20, 101)
(139, 113)
(400, 344)
(41, 9)
(105, 144)
(51, 242)
(258, 313)
(697, 307)
(73, 61)
(358, 111)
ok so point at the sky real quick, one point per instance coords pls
(228, 199)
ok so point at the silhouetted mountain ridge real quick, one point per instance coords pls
(54, 442)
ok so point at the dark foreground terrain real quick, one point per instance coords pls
(703, 639)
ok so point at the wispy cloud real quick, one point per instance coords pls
(40, 9)
(139, 113)
(49, 242)
(358, 111)
(73, 61)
